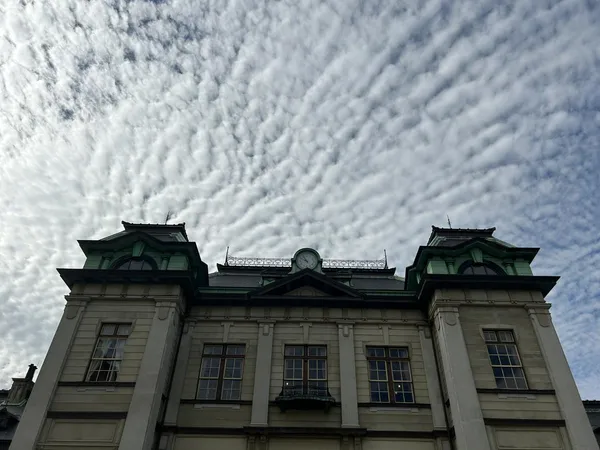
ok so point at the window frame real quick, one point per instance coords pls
(305, 358)
(119, 338)
(388, 360)
(223, 356)
(501, 366)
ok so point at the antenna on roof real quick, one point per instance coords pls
(385, 258)
(168, 217)
(226, 255)
(449, 224)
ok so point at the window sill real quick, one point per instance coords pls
(83, 386)
(516, 393)
(395, 407)
(215, 404)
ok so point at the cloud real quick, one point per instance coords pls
(267, 126)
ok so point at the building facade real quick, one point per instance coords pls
(12, 404)
(153, 352)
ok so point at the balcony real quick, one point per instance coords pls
(304, 397)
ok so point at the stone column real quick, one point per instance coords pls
(348, 376)
(433, 385)
(179, 374)
(140, 425)
(467, 418)
(34, 416)
(262, 374)
(577, 423)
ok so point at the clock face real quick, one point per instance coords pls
(307, 260)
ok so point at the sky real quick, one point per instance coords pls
(348, 126)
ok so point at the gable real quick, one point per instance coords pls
(307, 291)
(307, 283)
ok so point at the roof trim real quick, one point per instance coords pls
(430, 283)
(140, 226)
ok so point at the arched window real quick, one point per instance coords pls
(486, 268)
(136, 264)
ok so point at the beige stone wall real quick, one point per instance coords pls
(474, 318)
(505, 438)
(389, 334)
(520, 406)
(239, 331)
(396, 419)
(396, 444)
(214, 415)
(209, 443)
(139, 312)
(92, 399)
(78, 433)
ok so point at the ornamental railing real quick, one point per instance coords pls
(371, 264)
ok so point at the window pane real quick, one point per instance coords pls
(293, 369)
(210, 367)
(490, 336)
(400, 371)
(237, 350)
(108, 330)
(398, 353)
(317, 351)
(231, 390)
(377, 352)
(207, 389)
(506, 336)
(124, 329)
(377, 371)
(317, 369)
(294, 350)
(379, 392)
(469, 271)
(146, 266)
(501, 383)
(213, 349)
(233, 368)
(317, 388)
(521, 383)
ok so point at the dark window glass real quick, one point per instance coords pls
(505, 360)
(305, 369)
(221, 372)
(108, 352)
(390, 378)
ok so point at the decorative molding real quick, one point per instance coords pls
(525, 422)
(385, 331)
(226, 326)
(305, 332)
(517, 391)
(87, 415)
(395, 406)
(194, 401)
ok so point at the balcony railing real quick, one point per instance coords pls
(303, 396)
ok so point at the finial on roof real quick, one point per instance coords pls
(385, 259)
(449, 224)
(227, 256)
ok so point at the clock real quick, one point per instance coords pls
(307, 259)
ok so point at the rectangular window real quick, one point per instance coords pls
(108, 352)
(305, 370)
(221, 372)
(505, 359)
(390, 379)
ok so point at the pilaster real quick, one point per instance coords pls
(262, 375)
(467, 417)
(140, 425)
(433, 384)
(349, 397)
(183, 356)
(39, 401)
(577, 423)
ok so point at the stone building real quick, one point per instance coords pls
(153, 352)
(12, 404)
(592, 408)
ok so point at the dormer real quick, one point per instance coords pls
(140, 252)
(468, 252)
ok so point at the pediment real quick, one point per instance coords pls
(307, 283)
(307, 291)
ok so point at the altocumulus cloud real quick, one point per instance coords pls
(346, 125)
